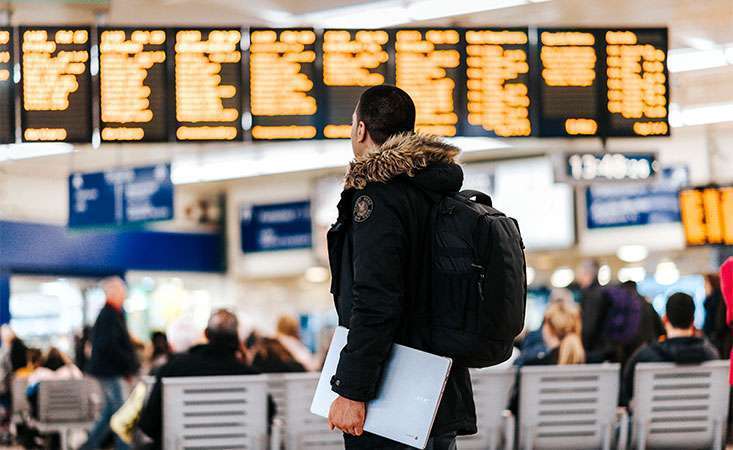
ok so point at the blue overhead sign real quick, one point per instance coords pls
(633, 204)
(121, 196)
(283, 226)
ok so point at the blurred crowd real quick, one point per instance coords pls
(586, 323)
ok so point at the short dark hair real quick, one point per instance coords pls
(386, 110)
(680, 310)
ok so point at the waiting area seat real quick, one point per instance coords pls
(568, 407)
(302, 430)
(684, 407)
(491, 391)
(223, 412)
(63, 407)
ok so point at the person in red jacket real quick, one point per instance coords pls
(726, 286)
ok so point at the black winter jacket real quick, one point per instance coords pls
(378, 251)
(113, 354)
(681, 350)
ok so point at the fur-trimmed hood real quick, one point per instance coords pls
(402, 154)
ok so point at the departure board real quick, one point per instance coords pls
(7, 87)
(208, 84)
(637, 82)
(707, 215)
(427, 65)
(569, 82)
(56, 95)
(497, 82)
(353, 60)
(133, 85)
(282, 74)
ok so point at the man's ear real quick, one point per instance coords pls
(665, 320)
(361, 132)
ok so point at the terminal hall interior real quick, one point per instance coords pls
(188, 157)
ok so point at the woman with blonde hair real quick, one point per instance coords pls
(561, 333)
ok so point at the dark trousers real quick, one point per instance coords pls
(374, 442)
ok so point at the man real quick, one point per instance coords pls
(593, 309)
(681, 345)
(113, 359)
(380, 264)
(219, 356)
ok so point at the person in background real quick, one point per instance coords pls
(218, 356)
(533, 343)
(13, 356)
(160, 350)
(593, 308)
(35, 359)
(681, 345)
(288, 333)
(270, 356)
(82, 347)
(113, 359)
(561, 333)
(715, 327)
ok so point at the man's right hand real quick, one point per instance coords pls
(347, 416)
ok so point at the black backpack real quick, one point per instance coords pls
(479, 287)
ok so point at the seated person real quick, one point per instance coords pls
(561, 336)
(271, 356)
(221, 355)
(681, 345)
(35, 359)
(533, 343)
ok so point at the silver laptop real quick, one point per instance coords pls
(408, 397)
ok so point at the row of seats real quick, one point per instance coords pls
(560, 407)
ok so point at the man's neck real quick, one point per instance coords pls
(677, 333)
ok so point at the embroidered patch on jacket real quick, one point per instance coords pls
(363, 208)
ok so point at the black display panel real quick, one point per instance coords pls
(637, 82)
(133, 84)
(207, 69)
(55, 94)
(497, 86)
(570, 83)
(353, 60)
(7, 87)
(428, 66)
(282, 83)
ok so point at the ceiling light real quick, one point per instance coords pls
(530, 275)
(33, 150)
(632, 253)
(686, 59)
(562, 277)
(435, 9)
(317, 275)
(700, 115)
(372, 15)
(636, 274)
(667, 273)
(604, 275)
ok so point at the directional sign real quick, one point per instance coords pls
(121, 196)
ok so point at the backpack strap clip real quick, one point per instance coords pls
(480, 197)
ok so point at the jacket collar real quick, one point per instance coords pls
(402, 154)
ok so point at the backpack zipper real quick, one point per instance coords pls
(482, 276)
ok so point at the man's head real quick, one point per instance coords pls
(382, 112)
(115, 291)
(587, 273)
(680, 315)
(223, 329)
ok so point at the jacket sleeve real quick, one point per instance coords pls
(379, 257)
